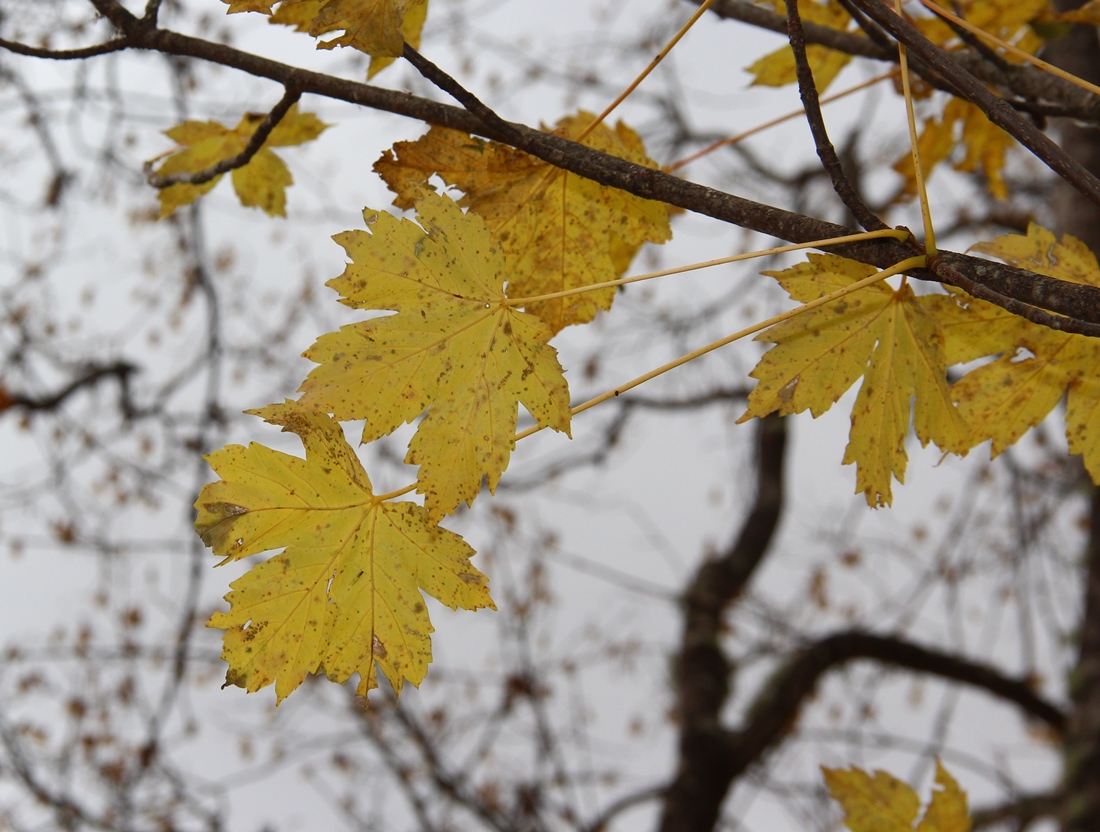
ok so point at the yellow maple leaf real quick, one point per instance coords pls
(777, 68)
(344, 596)
(948, 810)
(882, 803)
(960, 123)
(261, 183)
(558, 230)
(297, 13)
(888, 337)
(878, 803)
(455, 348)
(1006, 398)
(379, 28)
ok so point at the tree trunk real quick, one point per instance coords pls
(1079, 53)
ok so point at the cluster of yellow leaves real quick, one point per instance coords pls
(882, 803)
(344, 596)
(558, 231)
(777, 68)
(958, 124)
(380, 28)
(455, 353)
(901, 345)
(261, 183)
(961, 124)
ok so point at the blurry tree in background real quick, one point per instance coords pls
(692, 618)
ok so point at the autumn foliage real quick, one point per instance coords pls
(476, 296)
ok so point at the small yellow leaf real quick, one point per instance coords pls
(1004, 399)
(455, 349)
(297, 13)
(416, 12)
(881, 803)
(344, 596)
(262, 6)
(559, 231)
(380, 28)
(260, 183)
(889, 338)
(948, 811)
(371, 26)
(778, 69)
(986, 146)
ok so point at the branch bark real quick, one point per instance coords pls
(701, 675)
(619, 173)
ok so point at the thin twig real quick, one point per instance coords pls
(113, 45)
(807, 89)
(255, 142)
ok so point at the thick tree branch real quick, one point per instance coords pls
(1026, 81)
(701, 673)
(996, 109)
(777, 705)
(255, 142)
(1081, 811)
(807, 89)
(592, 164)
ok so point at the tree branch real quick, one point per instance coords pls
(807, 90)
(122, 370)
(701, 672)
(1026, 81)
(996, 109)
(600, 167)
(113, 45)
(1024, 811)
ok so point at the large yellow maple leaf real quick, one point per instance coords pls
(558, 230)
(882, 803)
(456, 348)
(1004, 399)
(887, 337)
(261, 183)
(344, 596)
(379, 28)
(777, 69)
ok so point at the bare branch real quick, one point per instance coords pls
(122, 370)
(701, 675)
(807, 89)
(113, 45)
(1023, 811)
